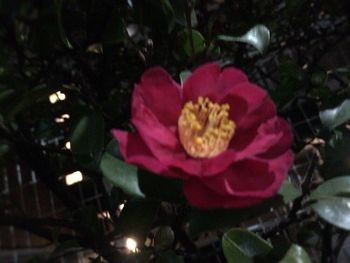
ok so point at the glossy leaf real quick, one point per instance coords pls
(58, 5)
(169, 14)
(242, 246)
(185, 43)
(296, 254)
(337, 154)
(87, 139)
(288, 191)
(164, 238)
(333, 201)
(30, 99)
(113, 148)
(332, 118)
(180, 7)
(258, 36)
(121, 175)
(136, 218)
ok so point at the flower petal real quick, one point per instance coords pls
(230, 77)
(253, 96)
(208, 80)
(284, 142)
(238, 107)
(247, 127)
(162, 141)
(203, 197)
(134, 151)
(160, 94)
(150, 128)
(202, 82)
(272, 139)
(252, 178)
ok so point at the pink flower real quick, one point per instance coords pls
(219, 133)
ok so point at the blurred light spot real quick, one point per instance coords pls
(59, 120)
(65, 116)
(54, 97)
(67, 145)
(74, 177)
(131, 244)
(103, 215)
(61, 95)
(121, 206)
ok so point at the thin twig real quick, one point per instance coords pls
(189, 26)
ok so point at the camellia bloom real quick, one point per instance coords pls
(218, 132)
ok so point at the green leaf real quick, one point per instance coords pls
(242, 246)
(14, 102)
(337, 154)
(121, 175)
(288, 191)
(169, 257)
(30, 99)
(87, 139)
(258, 36)
(180, 8)
(113, 148)
(115, 31)
(185, 43)
(164, 238)
(333, 201)
(334, 187)
(296, 254)
(332, 118)
(137, 217)
(169, 14)
(184, 75)
(58, 5)
(205, 220)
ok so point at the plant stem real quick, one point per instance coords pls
(189, 25)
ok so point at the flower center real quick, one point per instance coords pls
(204, 128)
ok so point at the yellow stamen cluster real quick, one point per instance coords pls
(205, 129)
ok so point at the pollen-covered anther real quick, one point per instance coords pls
(205, 129)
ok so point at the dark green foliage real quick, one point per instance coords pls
(94, 52)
